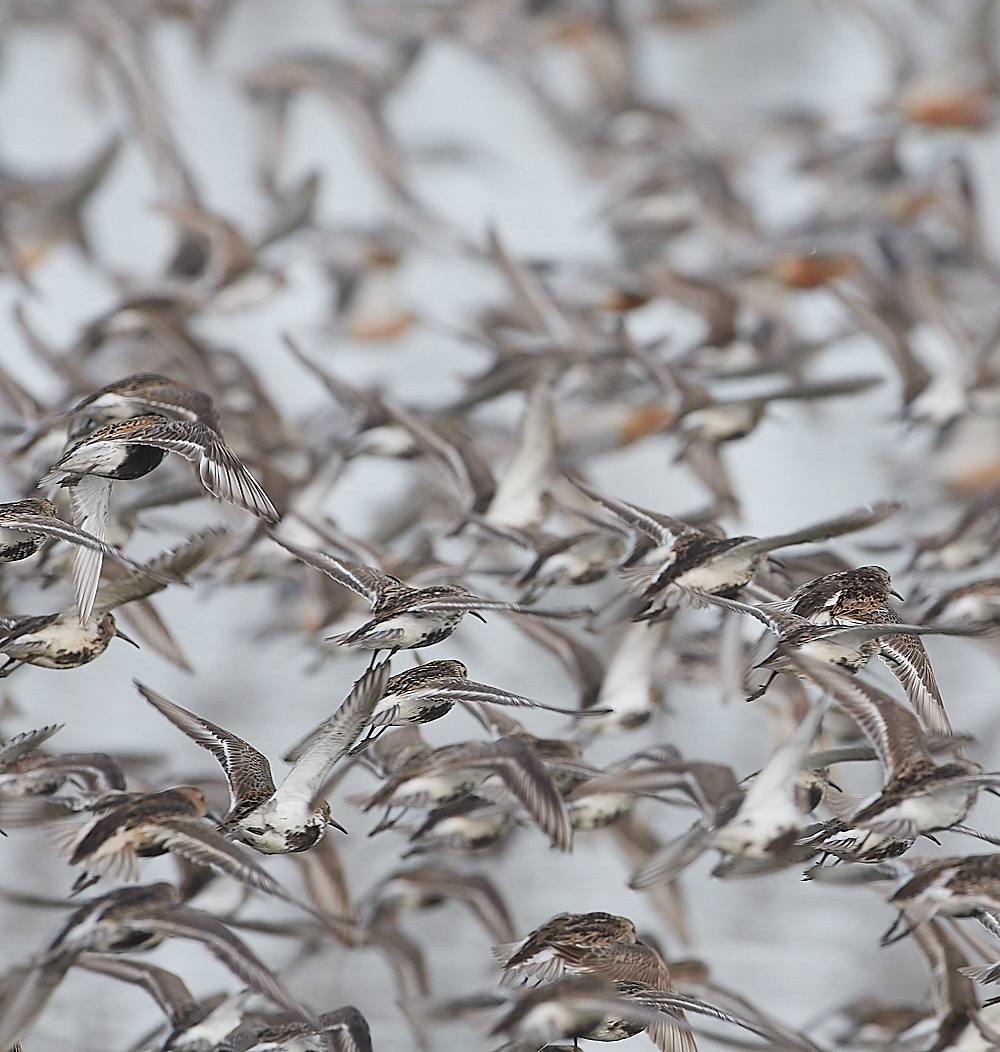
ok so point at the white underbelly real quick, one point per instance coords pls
(725, 571)
(414, 627)
(599, 810)
(432, 789)
(835, 651)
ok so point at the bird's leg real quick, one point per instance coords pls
(11, 665)
(387, 822)
(759, 693)
(363, 744)
(83, 881)
(888, 939)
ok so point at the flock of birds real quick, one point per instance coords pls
(504, 523)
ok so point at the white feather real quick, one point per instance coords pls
(91, 501)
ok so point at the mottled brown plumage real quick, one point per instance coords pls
(293, 816)
(128, 826)
(860, 596)
(540, 954)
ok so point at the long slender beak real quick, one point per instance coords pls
(336, 825)
(892, 591)
(121, 635)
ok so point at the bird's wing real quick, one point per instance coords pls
(773, 620)
(663, 530)
(334, 739)
(12, 628)
(665, 1000)
(90, 500)
(629, 962)
(175, 563)
(144, 622)
(705, 460)
(14, 748)
(861, 633)
(181, 922)
(893, 730)
(516, 762)
(908, 661)
(520, 498)
(473, 602)
(778, 774)
(409, 971)
(247, 770)
(65, 531)
(166, 989)
(708, 785)
(860, 519)
(24, 992)
(351, 1028)
(220, 470)
(201, 844)
(323, 877)
(584, 667)
(441, 451)
(457, 689)
(673, 858)
(475, 890)
(365, 581)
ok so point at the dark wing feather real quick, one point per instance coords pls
(166, 989)
(172, 564)
(443, 452)
(456, 688)
(12, 628)
(14, 748)
(351, 1029)
(247, 770)
(893, 730)
(473, 602)
(220, 470)
(201, 844)
(908, 661)
(860, 519)
(584, 667)
(65, 531)
(366, 581)
(181, 922)
(662, 530)
(772, 619)
(517, 763)
(476, 891)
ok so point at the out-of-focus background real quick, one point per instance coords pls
(736, 141)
